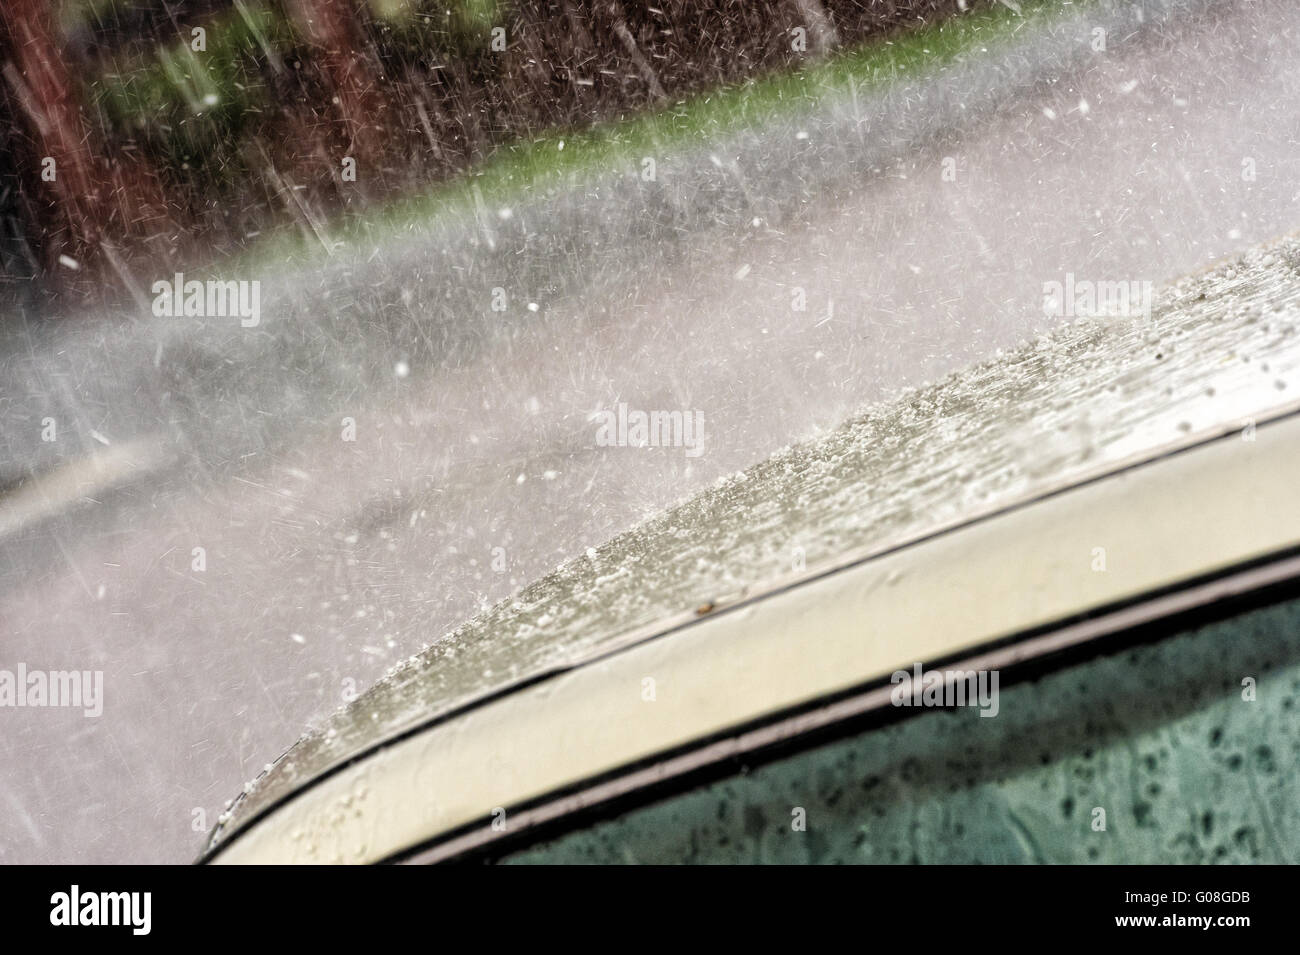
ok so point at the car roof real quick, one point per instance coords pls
(1217, 353)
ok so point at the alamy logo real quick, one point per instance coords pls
(103, 908)
(946, 688)
(177, 298)
(1082, 298)
(654, 429)
(82, 689)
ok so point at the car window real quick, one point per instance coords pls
(1172, 752)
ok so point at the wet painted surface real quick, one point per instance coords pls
(1217, 350)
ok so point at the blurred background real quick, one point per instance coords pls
(182, 130)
